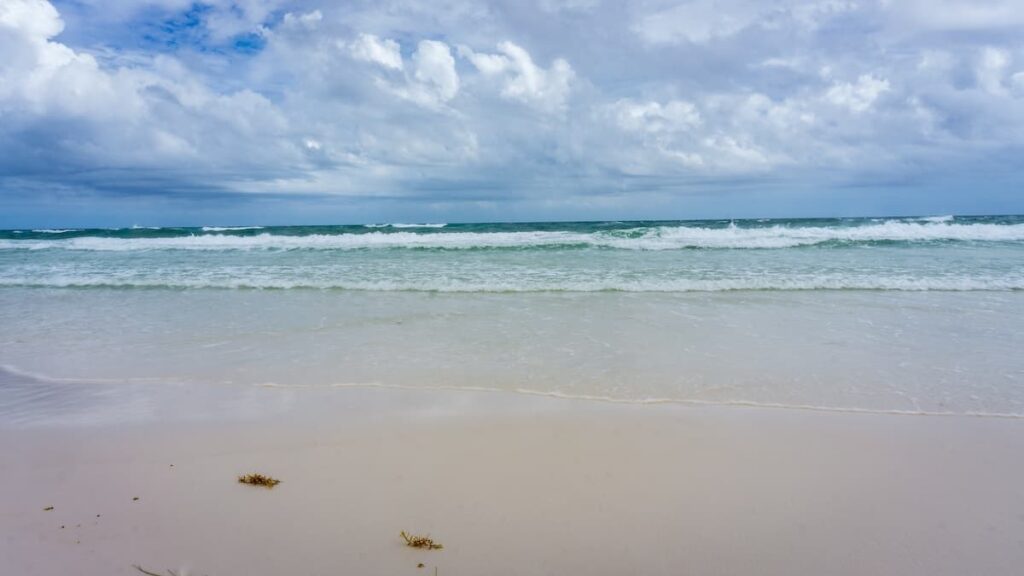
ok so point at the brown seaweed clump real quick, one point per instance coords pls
(259, 480)
(420, 542)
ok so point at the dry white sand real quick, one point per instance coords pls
(513, 485)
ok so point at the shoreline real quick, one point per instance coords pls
(18, 386)
(880, 352)
(510, 485)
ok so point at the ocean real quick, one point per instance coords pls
(915, 315)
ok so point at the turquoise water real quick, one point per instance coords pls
(933, 253)
(918, 315)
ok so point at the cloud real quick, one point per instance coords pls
(521, 79)
(956, 15)
(668, 130)
(704, 21)
(654, 117)
(307, 21)
(1017, 84)
(435, 69)
(430, 82)
(500, 103)
(370, 48)
(66, 112)
(720, 134)
(857, 96)
(35, 19)
(699, 21)
(991, 70)
(41, 78)
(568, 5)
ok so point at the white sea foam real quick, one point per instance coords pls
(230, 228)
(400, 225)
(655, 238)
(526, 284)
(55, 230)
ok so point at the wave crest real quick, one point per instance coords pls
(644, 238)
(400, 225)
(229, 228)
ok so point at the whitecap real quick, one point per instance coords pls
(401, 225)
(646, 238)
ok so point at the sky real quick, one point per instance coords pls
(172, 112)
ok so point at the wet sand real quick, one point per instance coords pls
(509, 484)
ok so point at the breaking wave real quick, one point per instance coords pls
(399, 225)
(641, 238)
(229, 228)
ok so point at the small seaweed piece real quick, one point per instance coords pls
(259, 480)
(420, 542)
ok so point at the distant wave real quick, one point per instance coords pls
(641, 238)
(54, 230)
(229, 228)
(440, 225)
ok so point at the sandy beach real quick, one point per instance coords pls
(508, 484)
(549, 287)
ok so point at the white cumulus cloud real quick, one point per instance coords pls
(655, 117)
(370, 48)
(857, 96)
(523, 80)
(435, 69)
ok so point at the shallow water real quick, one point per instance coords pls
(931, 352)
(918, 315)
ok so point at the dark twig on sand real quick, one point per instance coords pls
(420, 542)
